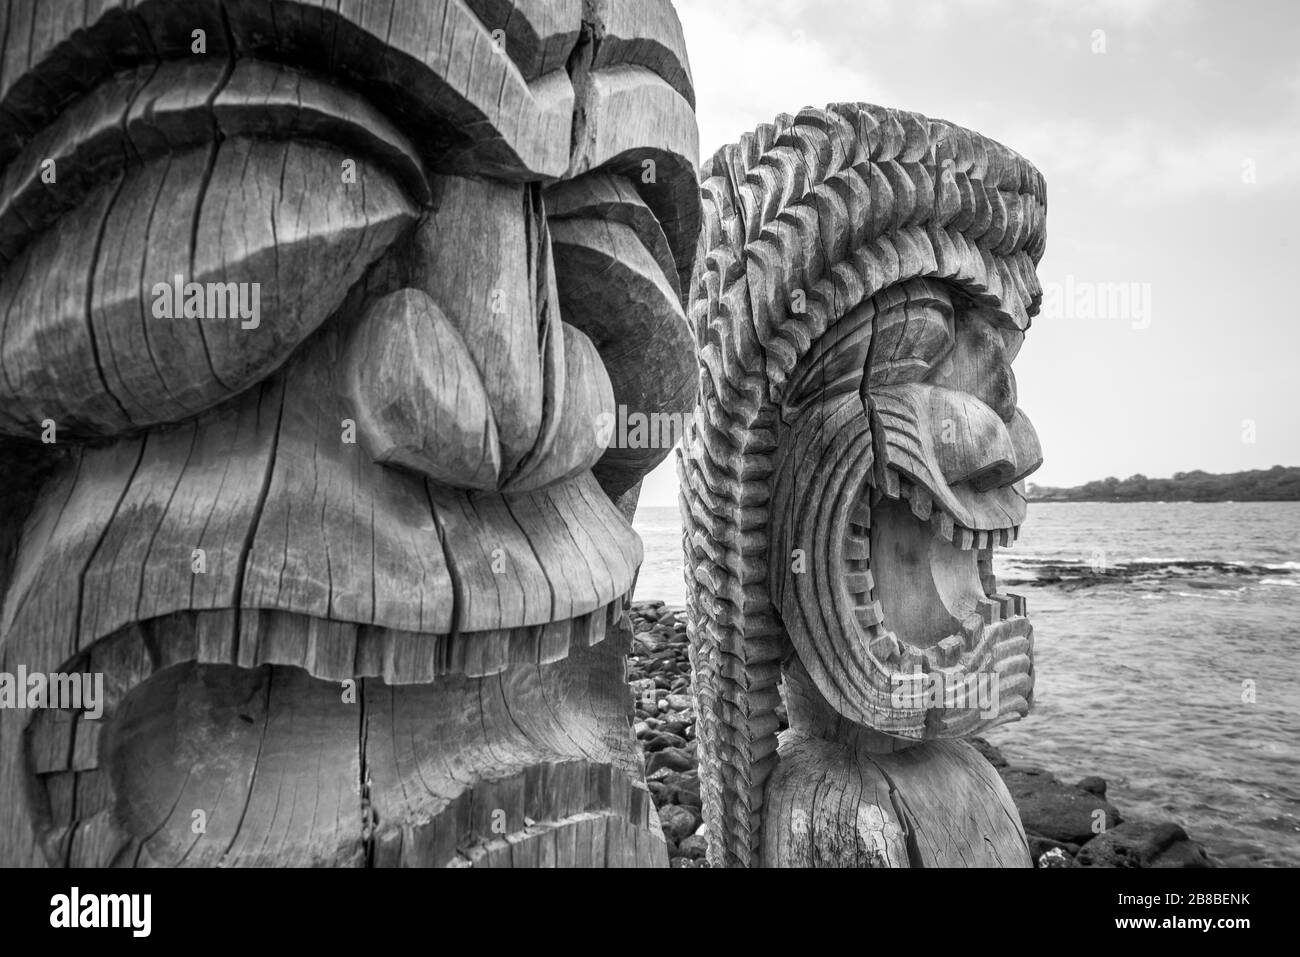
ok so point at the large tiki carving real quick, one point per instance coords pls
(866, 277)
(314, 316)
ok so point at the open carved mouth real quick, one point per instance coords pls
(465, 257)
(868, 282)
(906, 447)
(932, 607)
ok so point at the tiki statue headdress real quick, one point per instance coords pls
(865, 278)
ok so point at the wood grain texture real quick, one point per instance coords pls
(344, 561)
(211, 765)
(539, 35)
(611, 288)
(413, 383)
(938, 806)
(647, 33)
(435, 63)
(632, 123)
(83, 341)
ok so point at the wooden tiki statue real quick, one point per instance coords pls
(314, 316)
(865, 279)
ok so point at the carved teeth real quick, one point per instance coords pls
(869, 615)
(1019, 605)
(861, 515)
(950, 649)
(859, 583)
(884, 647)
(941, 523)
(963, 538)
(988, 581)
(1006, 608)
(922, 502)
(988, 610)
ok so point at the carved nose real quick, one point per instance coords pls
(979, 365)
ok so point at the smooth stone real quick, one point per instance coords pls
(678, 822)
(659, 740)
(693, 847)
(671, 759)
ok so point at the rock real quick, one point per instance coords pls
(1143, 844)
(645, 694)
(672, 759)
(1056, 857)
(1055, 810)
(682, 787)
(678, 822)
(660, 740)
(679, 702)
(1093, 785)
(667, 619)
(641, 729)
(675, 726)
(991, 754)
(694, 847)
(687, 715)
(646, 644)
(686, 862)
(1039, 845)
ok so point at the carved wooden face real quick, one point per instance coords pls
(910, 399)
(330, 311)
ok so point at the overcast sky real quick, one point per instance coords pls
(1172, 161)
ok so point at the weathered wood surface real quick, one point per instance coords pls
(865, 278)
(310, 341)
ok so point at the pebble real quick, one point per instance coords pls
(672, 759)
(678, 822)
(658, 740)
(693, 847)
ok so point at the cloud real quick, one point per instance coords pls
(747, 70)
(1137, 164)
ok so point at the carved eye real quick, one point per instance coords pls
(185, 231)
(979, 365)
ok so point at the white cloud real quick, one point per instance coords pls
(748, 69)
(1130, 163)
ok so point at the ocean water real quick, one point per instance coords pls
(1167, 642)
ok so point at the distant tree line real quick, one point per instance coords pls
(1278, 484)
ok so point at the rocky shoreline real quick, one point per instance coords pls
(1061, 820)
